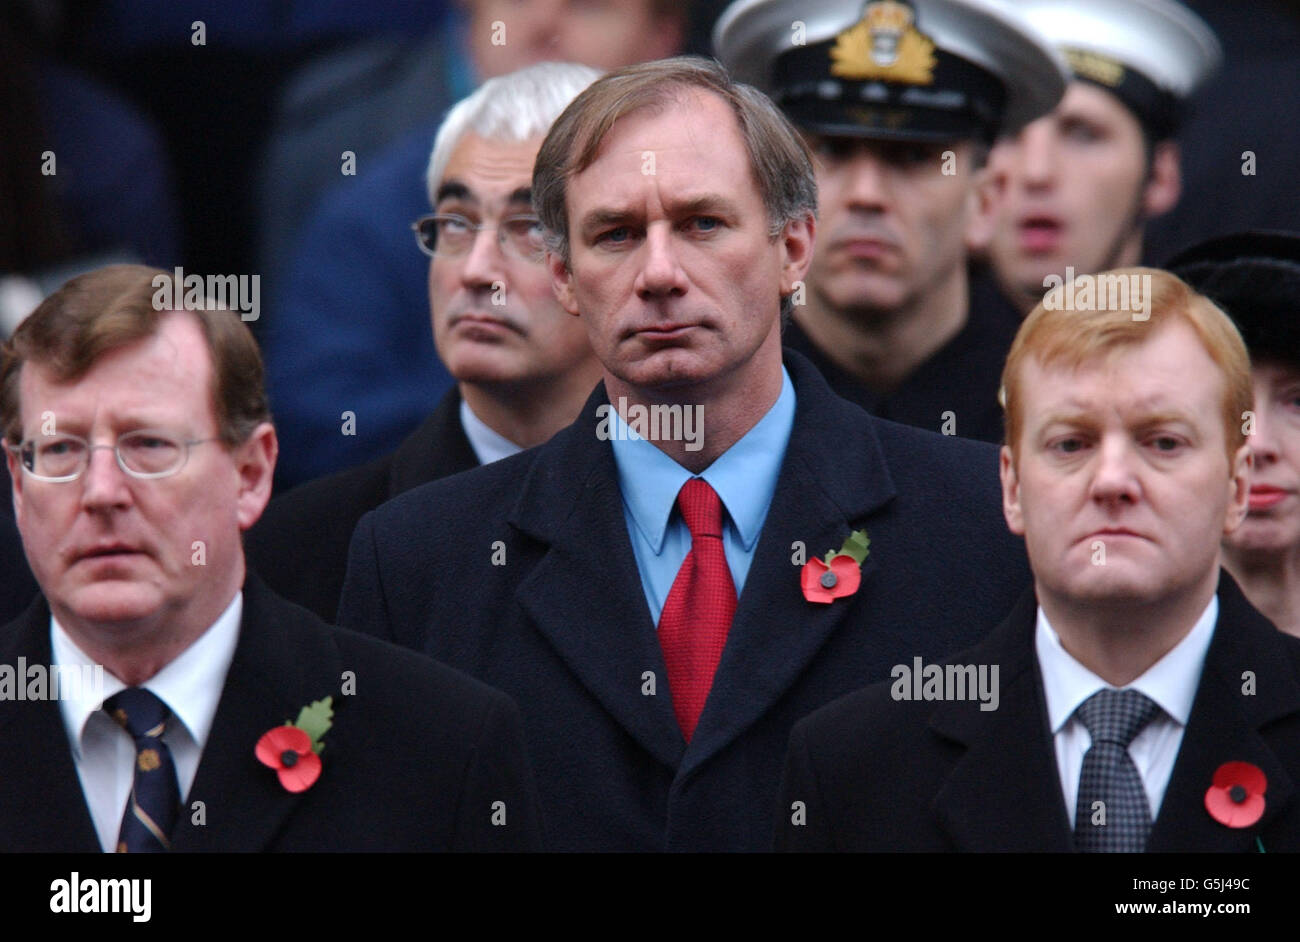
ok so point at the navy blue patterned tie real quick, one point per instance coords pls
(155, 796)
(1122, 820)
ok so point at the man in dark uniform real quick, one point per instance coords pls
(523, 367)
(900, 102)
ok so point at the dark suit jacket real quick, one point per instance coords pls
(563, 624)
(877, 774)
(414, 760)
(300, 545)
(961, 377)
(17, 587)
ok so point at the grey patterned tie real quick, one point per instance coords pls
(1113, 718)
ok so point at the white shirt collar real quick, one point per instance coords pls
(488, 445)
(1171, 681)
(190, 684)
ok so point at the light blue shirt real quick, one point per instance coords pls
(744, 477)
(488, 445)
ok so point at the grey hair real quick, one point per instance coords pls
(513, 107)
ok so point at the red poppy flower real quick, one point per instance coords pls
(287, 749)
(1236, 799)
(823, 583)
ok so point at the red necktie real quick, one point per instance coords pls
(698, 611)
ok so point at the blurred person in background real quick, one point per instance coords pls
(523, 367)
(366, 95)
(209, 72)
(899, 102)
(1255, 278)
(1241, 165)
(1075, 189)
(84, 175)
(341, 335)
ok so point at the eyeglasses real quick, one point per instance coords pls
(449, 235)
(146, 453)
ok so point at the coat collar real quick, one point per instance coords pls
(1004, 793)
(586, 588)
(44, 807)
(1225, 726)
(437, 449)
(274, 674)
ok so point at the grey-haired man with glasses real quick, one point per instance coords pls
(523, 367)
(140, 445)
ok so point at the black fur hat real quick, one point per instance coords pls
(1255, 278)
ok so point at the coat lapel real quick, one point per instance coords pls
(269, 681)
(1004, 793)
(585, 594)
(437, 449)
(244, 806)
(42, 804)
(586, 597)
(1224, 727)
(822, 495)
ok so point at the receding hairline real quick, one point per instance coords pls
(660, 102)
(655, 100)
(56, 376)
(490, 152)
(114, 307)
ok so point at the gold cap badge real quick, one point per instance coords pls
(884, 44)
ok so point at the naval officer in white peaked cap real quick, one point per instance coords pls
(899, 102)
(1076, 189)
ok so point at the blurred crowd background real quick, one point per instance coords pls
(166, 141)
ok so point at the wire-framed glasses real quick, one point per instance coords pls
(449, 235)
(144, 453)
